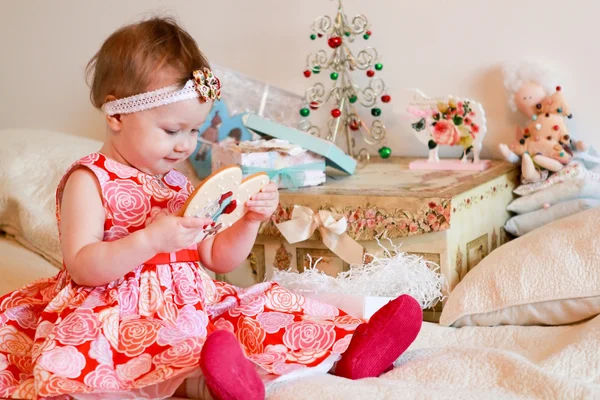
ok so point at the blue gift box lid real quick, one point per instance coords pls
(334, 156)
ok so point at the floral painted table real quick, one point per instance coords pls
(453, 218)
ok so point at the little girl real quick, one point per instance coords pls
(133, 314)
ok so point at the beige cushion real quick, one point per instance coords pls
(31, 165)
(550, 276)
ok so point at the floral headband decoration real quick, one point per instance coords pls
(204, 85)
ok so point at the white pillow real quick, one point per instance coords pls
(31, 165)
(549, 277)
(525, 223)
(568, 190)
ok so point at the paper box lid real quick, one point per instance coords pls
(334, 156)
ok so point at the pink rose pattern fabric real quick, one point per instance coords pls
(144, 332)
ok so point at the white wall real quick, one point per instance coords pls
(440, 46)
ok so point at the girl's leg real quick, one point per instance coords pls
(228, 374)
(376, 344)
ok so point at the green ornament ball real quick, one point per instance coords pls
(313, 36)
(347, 33)
(385, 152)
(365, 36)
(334, 76)
(379, 66)
(353, 99)
(376, 112)
(305, 112)
(316, 70)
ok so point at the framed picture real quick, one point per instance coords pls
(431, 257)
(329, 263)
(255, 267)
(476, 251)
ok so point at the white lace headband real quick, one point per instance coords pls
(204, 85)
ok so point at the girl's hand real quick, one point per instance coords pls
(169, 234)
(263, 204)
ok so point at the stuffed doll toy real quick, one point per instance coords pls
(544, 145)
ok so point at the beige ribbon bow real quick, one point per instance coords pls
(332, 227)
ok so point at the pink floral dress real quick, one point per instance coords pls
(142, 334)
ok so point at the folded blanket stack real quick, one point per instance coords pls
(573, 189)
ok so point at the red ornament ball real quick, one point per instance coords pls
(370, 73)
(334, 42)
(369, 33)
(307, 73)
(313, 105)
(556, 127)
(386, 98)
(558, 88)
(320, 35)
(354, 125)
(335, 113)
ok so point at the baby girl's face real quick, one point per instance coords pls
(155, 140)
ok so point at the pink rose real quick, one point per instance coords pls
(306, 356)
(8, 383)
(154, 187)
(59, 386)
(308, 335)
(121, 170)
(155, 213)
(413, 227)
(177, 179)
(89, 159)
(280, 299)
(250, 335)
(341, 345)
(65, 361)
(371, 223)
(184, 286)
(137, 335)
(190, 323)
(24, 316)
(225, 289)
(431, 218)
(272, 354)
(134, 368)
(114, 233)
(319, 309)
(250, 306)
(151, 295)
(347, 322)
(224, 325)
(370, 213)
(439, 209)
(100, 351)
(128, 202)
(101, 174)
(177, 202)
(435, 226)
(78, 327)
(104, 378)
(272, 322)
(445, 133)
(3, 362)
(182, 355)
(129, 293)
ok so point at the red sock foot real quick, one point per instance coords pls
(229, 375)
(378, 343)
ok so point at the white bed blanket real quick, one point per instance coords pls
(509, 362)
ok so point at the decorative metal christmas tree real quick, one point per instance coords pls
(345, 122)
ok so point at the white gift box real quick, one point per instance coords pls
(288, 165)
(358, 306)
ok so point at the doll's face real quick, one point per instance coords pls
(527, 97)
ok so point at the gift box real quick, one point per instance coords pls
(288, 165)
(334, 156)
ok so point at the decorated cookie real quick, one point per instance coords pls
(222, 197)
